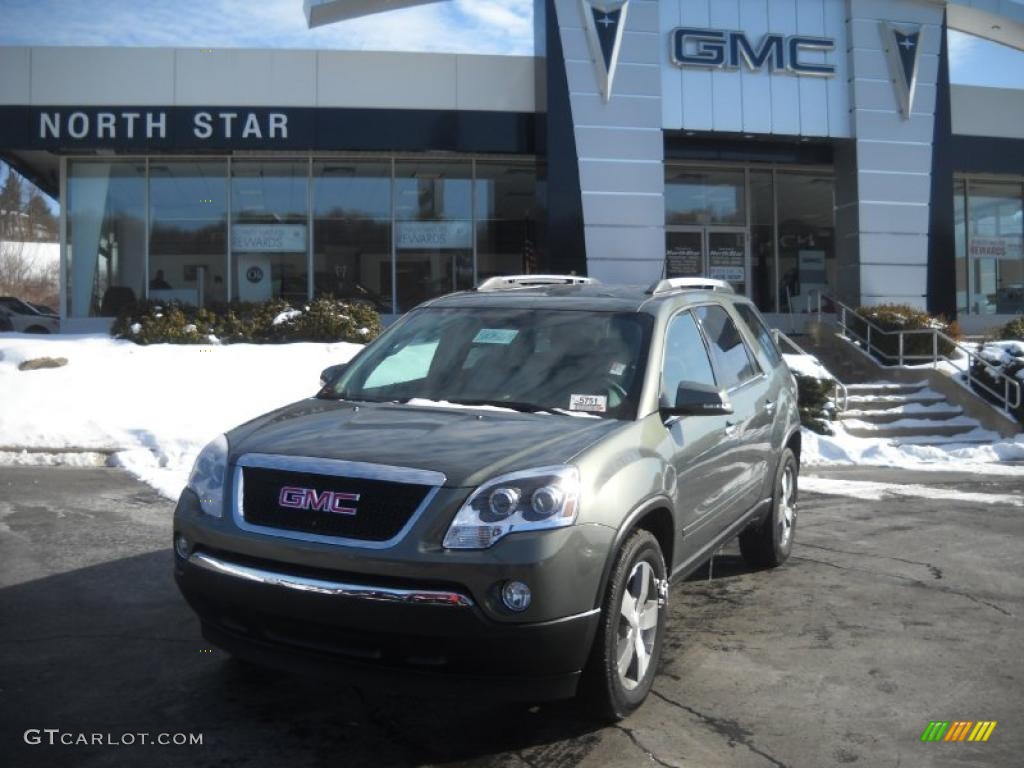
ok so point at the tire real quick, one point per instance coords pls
(769, 543)
(639, 571)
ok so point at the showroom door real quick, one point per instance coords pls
(719, 253)
(727, 258)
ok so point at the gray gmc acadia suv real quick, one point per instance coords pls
(496, 494)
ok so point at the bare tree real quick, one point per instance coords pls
(21, 276)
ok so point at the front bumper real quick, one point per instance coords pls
(433, 639)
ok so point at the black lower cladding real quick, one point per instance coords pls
(329, 505)
(411, 647)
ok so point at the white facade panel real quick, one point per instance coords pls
(626, 271)
(238, 77)
(496, 83)
(987, 111)
(15, 82)
(383, 80)
(138, 77)
(763, 102)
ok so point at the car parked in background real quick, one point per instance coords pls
(22, 317)
(496, 493)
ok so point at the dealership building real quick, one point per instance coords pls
(795, 148)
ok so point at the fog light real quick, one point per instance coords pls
(516, 596)
(182, 546)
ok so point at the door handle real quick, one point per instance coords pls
(730, 428)
(769, 407)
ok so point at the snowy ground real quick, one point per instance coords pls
(151, 409)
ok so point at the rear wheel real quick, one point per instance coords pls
(627, 648)
(769, 543)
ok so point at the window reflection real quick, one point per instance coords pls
(505, 205)
(188, 231)
(106, 236)
(352, 231)
(433, 230)
(995, 215)
(705, 197)
(269, 238)
(806, 236)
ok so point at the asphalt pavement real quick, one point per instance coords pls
(890, 614)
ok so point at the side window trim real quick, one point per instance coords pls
(700, 331)
(774, 355)
(758, 371)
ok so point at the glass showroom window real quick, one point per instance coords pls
(352, 231)
(269, 223)
(995, 232)
(762, 241)
(806, 236)
(188, 225)
(106, 236)
(505, 208)
(433, 230)
(963, 303)
(705, 197)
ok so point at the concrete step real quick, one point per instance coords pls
(924, 398)
(974, 437)
(940, 412)
(887, 388)
(912, 427)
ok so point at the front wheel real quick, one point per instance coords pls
(627, 648)
(769, 543)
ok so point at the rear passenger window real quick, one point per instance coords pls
(732, 358)
(760, 332)
(686, 357)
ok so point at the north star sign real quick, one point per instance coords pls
(76, 125)
(724, 49)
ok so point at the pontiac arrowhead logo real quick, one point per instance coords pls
(605, 21)
(903, 49)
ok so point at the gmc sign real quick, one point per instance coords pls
(722, 49)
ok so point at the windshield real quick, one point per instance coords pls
(569, 361)
(17, 305)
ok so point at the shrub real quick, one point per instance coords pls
(815, 399)
(276, 321)
(1008, 359)
(902, 317)
(1013, 330)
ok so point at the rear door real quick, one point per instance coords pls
(744, 433)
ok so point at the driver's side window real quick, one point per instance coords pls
(686, 357)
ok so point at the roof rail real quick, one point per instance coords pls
(689, 284)
(508, 282)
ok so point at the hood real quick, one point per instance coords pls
(469, 446)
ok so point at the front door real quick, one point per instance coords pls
(713, 252)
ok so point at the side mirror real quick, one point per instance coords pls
(693, 399)
(332, 374)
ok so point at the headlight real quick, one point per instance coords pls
(522, 501)
(208, 473)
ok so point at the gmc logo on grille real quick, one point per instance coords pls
(322, 501)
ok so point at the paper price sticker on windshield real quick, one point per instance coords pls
(588, 403)
(495, 336)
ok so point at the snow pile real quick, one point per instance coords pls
(808, 365)
(151, 407)
(844, 449)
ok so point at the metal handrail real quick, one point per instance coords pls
(781, 337)
(1009, 383)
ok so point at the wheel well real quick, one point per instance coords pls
(794, 444)
(659, 522)
(37, 329)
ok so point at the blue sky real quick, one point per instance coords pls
(479, 26)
